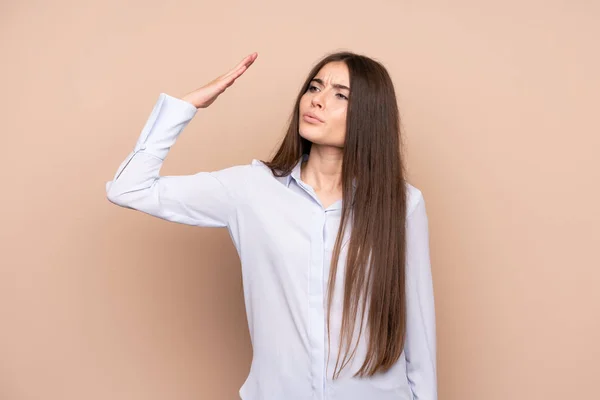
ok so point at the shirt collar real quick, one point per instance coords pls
(295, 174)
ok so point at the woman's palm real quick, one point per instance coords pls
(207, 94)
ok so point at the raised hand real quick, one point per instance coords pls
(207, 94)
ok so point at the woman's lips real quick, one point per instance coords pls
(310, 119)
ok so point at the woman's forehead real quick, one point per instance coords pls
(334, 73)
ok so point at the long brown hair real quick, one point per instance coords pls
(376, 206)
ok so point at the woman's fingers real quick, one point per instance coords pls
(247, 61)
(206, 95)
(228, 79)
(225, 82)
(238, 73)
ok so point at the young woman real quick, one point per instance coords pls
(333, 241)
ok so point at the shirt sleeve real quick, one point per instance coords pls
(420, 344)
(201, 199)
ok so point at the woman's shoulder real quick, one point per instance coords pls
(414, 197)
(244, 174)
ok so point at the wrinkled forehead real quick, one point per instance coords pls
(333, 73)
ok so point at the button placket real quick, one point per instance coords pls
(316, 309)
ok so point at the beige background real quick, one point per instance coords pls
(500, 106)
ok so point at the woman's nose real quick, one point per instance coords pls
(317, 100)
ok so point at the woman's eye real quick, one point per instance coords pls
(312, 88)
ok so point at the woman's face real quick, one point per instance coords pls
(323, 106)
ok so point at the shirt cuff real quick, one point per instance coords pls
(167, 120)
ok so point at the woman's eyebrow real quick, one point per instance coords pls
(335, 85)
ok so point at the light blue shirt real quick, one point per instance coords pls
(284, 238)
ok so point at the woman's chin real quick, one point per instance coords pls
(310, 136)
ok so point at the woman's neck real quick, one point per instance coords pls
(323, 169)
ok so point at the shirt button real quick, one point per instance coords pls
(143, 147)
